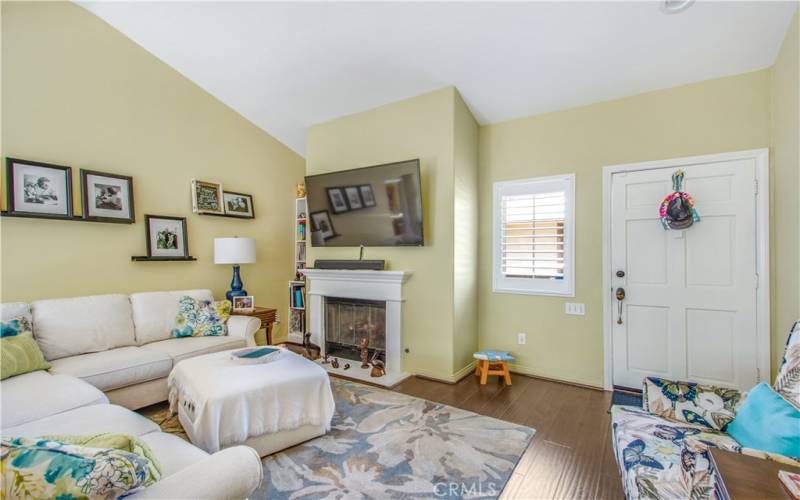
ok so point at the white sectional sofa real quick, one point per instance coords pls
(113, 353)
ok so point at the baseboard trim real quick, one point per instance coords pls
(526, 372)
(454, 379)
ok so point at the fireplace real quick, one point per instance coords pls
(349, 321)
(346, 306)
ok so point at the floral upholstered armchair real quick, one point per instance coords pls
(662, 448)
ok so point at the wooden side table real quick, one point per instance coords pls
(265, 314)
(745, 477)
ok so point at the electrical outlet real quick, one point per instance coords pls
(522, 338)
(575, 309)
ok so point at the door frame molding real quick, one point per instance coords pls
(761, 157)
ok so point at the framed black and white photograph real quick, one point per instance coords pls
(207, 198)
(367, 196)
(245, 303)
(107, 197)
(238, 205)
(166, 236)
(38, 189)
(321, 222)
(353, 198)
(337, 199)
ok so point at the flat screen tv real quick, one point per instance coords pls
(376, 206)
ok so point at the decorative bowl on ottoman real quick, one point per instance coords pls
(267, 406)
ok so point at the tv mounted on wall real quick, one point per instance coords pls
(375, 206)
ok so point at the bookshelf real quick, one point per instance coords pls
(297, 287)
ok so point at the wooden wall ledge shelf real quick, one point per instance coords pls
(145, 258)
(75, 218)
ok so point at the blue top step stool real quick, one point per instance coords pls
(491, 362)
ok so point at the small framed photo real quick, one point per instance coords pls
(353, 198)
(238, 205)
(244, 304)
(107, 197)
(321, 222)
(337, 199)
(367, 195)
(166, 236)
(39, 189)
(207, 198)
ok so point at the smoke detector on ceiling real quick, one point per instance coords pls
(675, 6)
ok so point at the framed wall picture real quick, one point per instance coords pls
(321, 222)
(337, 199)
(107, 197)
(367, 196)
(353, 198)
(238, 205)
(245, 303)
(166, 236)
(207, 198)
(38, 189)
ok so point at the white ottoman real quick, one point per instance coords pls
(269, 406)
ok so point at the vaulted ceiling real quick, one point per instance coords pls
(288, 65)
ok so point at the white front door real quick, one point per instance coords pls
(689, 311)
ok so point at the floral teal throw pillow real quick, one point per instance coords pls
(707, 405)
(42, 468)
(201, 318)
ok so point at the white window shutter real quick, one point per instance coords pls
(533, 236)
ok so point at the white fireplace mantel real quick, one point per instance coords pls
(384, 286)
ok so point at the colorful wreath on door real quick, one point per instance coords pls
(677, 209)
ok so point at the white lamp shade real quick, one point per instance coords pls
(234, 251)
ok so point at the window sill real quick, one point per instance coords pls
(544, 293)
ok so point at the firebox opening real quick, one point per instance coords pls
(349, 321)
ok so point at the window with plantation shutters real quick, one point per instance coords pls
(533, 236)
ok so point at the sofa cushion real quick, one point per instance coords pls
(116, 368)
(11, 310)
(172, 452)
(189, 347)
(767, 422)
(154, 312)
(36, 395)
(87, 420)
(67, 327)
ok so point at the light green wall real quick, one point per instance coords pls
(726, 114)
(421, 127)
(465, 237)
(77, 92)
(785, 138)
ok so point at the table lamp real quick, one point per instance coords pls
(235, 251)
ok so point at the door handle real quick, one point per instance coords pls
(620, 293)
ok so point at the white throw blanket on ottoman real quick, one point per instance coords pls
(223, 402)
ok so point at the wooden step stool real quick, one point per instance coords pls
(492, 363)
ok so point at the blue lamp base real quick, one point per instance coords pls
(236, 286)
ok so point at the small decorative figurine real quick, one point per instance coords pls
(347, 366)
(378, 368)
(364, 353)
(335, 363)
(325, 359)
(301, 190)
(311, 350)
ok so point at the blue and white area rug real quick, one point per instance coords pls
(388, 445)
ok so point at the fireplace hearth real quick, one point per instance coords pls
(348, 306)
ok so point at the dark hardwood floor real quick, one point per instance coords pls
(570, 456)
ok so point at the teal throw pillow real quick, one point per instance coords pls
(44, 468)
(767, 422)
(201, 318)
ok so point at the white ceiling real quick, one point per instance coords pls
(288, 65)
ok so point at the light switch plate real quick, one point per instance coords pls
(522, 338)
(575, 309)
